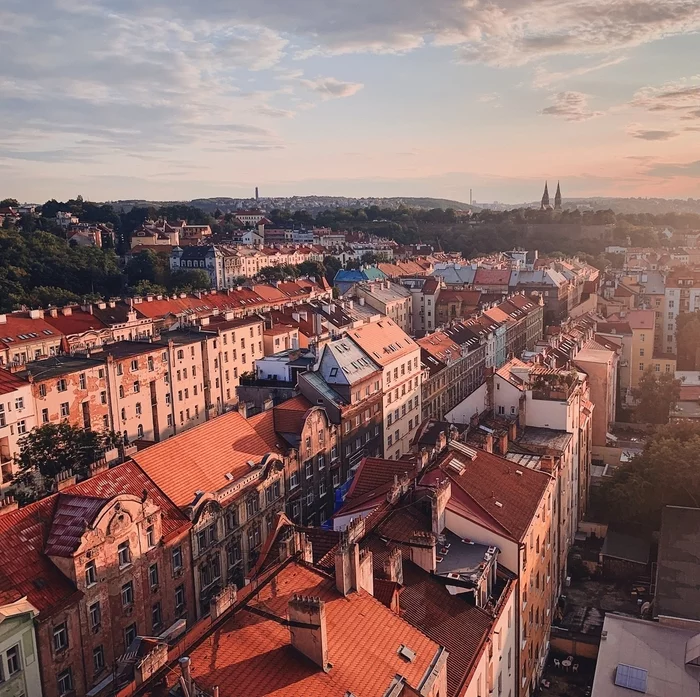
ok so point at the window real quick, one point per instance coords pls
(42, 390)
(153, 575)
(61, 385)
(322, 488)
(641, 366)
(95, 615)
(44, 416)
(180, 354)
(309, 498)
(177, 558)
(138, 408)
(98, 659)
(346, 427)
(135, 364)
(309, 468)
(139, 431)
(294, 479)
(121, 391)
(321, 462)
(179, 598)
(124, 554)
(65, 682)
(389, 441)
(151, 367)
(129, 634)
(641, 352)
(137, 386)
(128, 594)
(65, 410)
(90, 573)
(14, 661)
(60, 637)
(156, 615)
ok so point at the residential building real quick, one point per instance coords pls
(102, 562)
(493, 502)
(456, 305)
(249, 217)
(425, 293)
(310, 442)
(279, 337)
(551, 285)
(389, 299)
(230, 484)
(641, 657)
(230, 347)
(26, 336)
(345, 279)
(17, 418)
(18, 650)
(387, 345)
(348, 383)
(206, 258)
(681, 295)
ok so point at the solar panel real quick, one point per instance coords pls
(630, 677)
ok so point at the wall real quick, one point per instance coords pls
(18, 630)
(475, 403)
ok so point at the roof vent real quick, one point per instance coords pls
(499, 504)
(229, 476)
(407, 653)
(519, 473)
(251, 463)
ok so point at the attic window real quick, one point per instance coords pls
(407, 653)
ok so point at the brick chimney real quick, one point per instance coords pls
(8, 504)
(547, 463)
(355, 530)
(222, 601)
(393, 566)
(423, 553)
(513, 431)
(310, 640)
(488, 443)
(438, 502)
(65, 479)
(503, 444)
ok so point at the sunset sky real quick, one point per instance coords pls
(180, 99)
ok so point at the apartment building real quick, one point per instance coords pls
(17, 417)
(456, 304)
(681, 294)
(231, 485)
(229, 348)
(72, 389)
(18, 648)
(390, 299)
(348, 383)
(305, 435)
(425, 294)
(103, 562)
(386, 344)
(518, 503)
(26, 336)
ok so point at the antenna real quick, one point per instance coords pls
(470, 197)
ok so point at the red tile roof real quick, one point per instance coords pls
(377, 338)
(489, 479)
(71, 515)
(77, 322)
(264, 425)
(376, 474)
(200, 458)
(291, 415)
(20, 324)
(9, 382)
(637, 319)
(492, 277)
(251, 656)
(689, 393)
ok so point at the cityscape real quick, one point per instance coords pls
(350, 349)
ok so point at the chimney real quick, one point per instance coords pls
(268, 404)
(222, 601)
(36, 314)
(355, 530)
(423, 553)
(347, 567)
(513, 431)
(98, 466)
(441, 442)
(438, 502)
(488, 445)
(8, 504)
(3, 319)
(310, 639)
(67, 311)
(547, 463)
(365, 578)
(64, 479)
(186, 677)
(393, 566)
(503, 444)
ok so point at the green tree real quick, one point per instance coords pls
(312, 268)
(666, 473)
(189, 280)
(9, 203)
(656, 397)
(53, 448)
(332, 266)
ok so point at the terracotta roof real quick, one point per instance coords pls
(200, 458)
(9, 382)
(494, 277)
(264, 425)
(251, 656)
(291, 415)
(384, 341)
(20, 328)
(689, 393)
(437, 345)
(77, 322)
(637, 319)
(489, 479)
(375, 474)
(71, 516)
(466, 297)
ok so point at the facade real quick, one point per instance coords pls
(425, 293)
(681, 295)
(19, 666)
(387, 345)
(455, 305)
(230, 484)
(26, 336)
(349, 386)
(102, 562)
(17, 417)
(518, 503)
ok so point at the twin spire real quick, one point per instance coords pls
(546, 206)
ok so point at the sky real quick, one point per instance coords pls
(181, 99)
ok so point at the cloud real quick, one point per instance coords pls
(267, 110)
(572, 106)
(489, 98)
(679, 101)
(637, 131)
(687, 169)
(330, 87)
(546, 78)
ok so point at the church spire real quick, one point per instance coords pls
(557, 198)
(545, 197)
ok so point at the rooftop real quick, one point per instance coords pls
(384, 341)
(55, 366)
(9, 382)
(658, 652)
(250, 655)
(678, 569)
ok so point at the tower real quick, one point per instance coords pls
(545, 199)
(557, 198)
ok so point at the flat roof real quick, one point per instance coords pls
(59, 365)
(651, 647)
